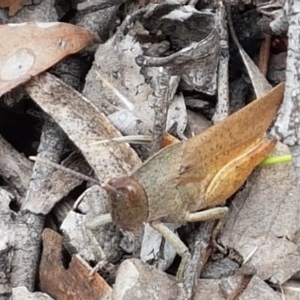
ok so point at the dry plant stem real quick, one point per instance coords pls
(259, 82)
(222, 108)
(25, 260)
(264, 54)
(161, 109)
(287, 126)
(199, 255)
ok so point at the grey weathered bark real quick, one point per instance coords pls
(15, 168)
(30, 224)
(287, 126)
(222, 107)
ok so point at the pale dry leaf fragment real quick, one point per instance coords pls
(137, 280)
(21, 293)
(258, 289)
(264, 216)
(219, 289)
(13, 5)
(83, 123)
(28, 49)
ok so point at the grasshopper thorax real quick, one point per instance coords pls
(128, 202)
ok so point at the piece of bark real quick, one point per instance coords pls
(7, 242)
(108, 236)
(219, 289)
(136, 86)
(21, 293)
(44, 11)
(220, 268)
(195, 58)
(136, 280)
(101, 22)
(51, 147)
(163, 96)
(286, 127)
(26, 249)
(15, 168)
(72, 282)
(95, 5)
(270, 8)
(34, 208)
(222, 107)
(258, 289)
(200, 253)
(262, 222)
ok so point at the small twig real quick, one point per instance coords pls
(222, 108)
(27, 253)
(161, 108)
(199, 255)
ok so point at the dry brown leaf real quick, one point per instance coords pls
(13, 5)
(73, 282)
(28, 49)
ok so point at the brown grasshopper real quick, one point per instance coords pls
(185, 181)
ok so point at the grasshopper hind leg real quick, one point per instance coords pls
(181, 249)
(218, 213)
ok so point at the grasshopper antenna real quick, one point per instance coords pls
(64, 169)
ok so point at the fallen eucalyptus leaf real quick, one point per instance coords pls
(28, 49)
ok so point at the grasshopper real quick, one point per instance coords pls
(185, 182)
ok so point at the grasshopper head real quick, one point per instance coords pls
(128, 202)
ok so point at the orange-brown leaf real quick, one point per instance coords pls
(13, 5)
(28, 49)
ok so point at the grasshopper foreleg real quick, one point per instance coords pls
(176, 243)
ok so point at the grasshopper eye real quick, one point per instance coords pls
(128, 202)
